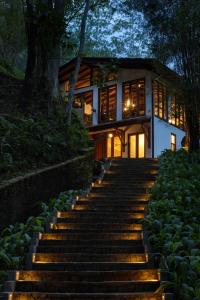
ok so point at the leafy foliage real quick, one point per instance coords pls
(173, 220)
(15, 239)
(31, 142)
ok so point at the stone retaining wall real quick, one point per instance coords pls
(20, 197)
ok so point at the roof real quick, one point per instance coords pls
(150, 64)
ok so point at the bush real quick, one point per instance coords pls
(28, 142)
(173, 220)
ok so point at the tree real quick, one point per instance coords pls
(112, 31)
(45, 22)
(12, 33)
(175, 31)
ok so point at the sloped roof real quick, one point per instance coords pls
(150, 64)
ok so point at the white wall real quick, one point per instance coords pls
(162, 136)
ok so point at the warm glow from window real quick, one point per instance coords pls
(173, 142)
(133, 152)
(109, 147)
(117, 146)
(141, 145)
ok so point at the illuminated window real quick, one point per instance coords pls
(117, 147)
(173, 142)
(84, 101)
(141, 145)
(133, 149)
(114, 146)
(134, 98)
(177, 113)
(107, 104)
(160, 100)
(109, 147)
(137, 145)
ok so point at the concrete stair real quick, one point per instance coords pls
(96, 251)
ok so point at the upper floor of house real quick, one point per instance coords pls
(110, 90)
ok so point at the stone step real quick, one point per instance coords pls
(99, 208)
(82, 243)
(138, 248)
(108, 192)
(143, 275)
(86, 287)
(100, 214)
(116, 197)
(129, 177)
(91, 257)
(89, 266)
(99, 219)
(122, 204)
(97, 235)
(87, 296)
(96, 226)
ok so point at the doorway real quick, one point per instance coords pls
(136, 145)
(114, 148)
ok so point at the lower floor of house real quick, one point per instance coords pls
(135, 140)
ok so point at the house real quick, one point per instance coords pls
(129, 106)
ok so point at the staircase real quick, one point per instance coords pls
(96, 251)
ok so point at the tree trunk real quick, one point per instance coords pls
(43, 43)
(74, 78)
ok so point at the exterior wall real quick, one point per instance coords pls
(162, 136)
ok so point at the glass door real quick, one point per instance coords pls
(137, 145)
(114, 147)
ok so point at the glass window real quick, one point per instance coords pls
(107, 104)
(141, 145)
(173, 142)
(160, 100)
(84, 101)
(117, 146)
(177, 113)
(133, 149)
(134, 98)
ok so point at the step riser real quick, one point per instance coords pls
(84, 296)
(89, 236)
(89, 266)
(143, 275)
(84, 226)
(79, 257)
(92, 243)
(98, 250)
(107, 208)
(70, 287)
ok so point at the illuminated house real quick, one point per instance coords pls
(129, 106)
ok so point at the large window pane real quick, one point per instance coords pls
(117, 147)
(84, 102)
(107, 104)
(160, 100)
(141, 145)
(133, 99)
(133, 146)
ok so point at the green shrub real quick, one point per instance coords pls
(28, 143)
(173, 220)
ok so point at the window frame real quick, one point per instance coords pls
(130, 82)
(173, 145)
(107, 104)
